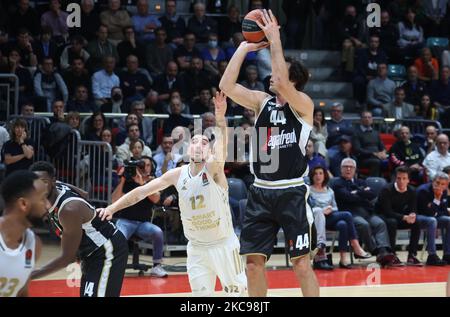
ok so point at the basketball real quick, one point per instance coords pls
(251, 30)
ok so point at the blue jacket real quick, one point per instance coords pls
(427, 206)
(346, 200)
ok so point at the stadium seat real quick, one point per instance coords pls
(388, 140)
(396, 72)
(376, 184)
(135, 264)
(437, 41)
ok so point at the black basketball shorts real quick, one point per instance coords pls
(268, 210)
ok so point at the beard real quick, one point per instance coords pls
(35, 221)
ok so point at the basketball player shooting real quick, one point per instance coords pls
(213, 247)
(278, 198)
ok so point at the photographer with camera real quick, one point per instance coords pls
(135, 220)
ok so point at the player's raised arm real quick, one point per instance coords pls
(280, 73)
(220, 145)
(137, 194)
(251, 99)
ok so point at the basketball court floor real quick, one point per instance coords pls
(366, 279)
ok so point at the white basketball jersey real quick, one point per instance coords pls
(16, 265)
(204, 207)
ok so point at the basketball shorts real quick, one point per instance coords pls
(205, 263)
(268, 210)
(103, 270)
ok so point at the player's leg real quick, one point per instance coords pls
(202, 277)
(256, 275)
(119, 263)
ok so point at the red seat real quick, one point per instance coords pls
(388, 140)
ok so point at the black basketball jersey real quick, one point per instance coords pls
(95, 232)
(285, 143)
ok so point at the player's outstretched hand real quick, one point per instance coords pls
(253, 47)
(104, 213)
(269, 25)
(220, 104)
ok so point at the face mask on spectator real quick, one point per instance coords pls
(212, 43)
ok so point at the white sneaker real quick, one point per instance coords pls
(158, 271)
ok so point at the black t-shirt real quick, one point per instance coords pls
(13, 148)
(142, 211)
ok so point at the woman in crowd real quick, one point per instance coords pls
(319, 132)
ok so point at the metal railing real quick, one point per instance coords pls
(7, 86)
(418, 126)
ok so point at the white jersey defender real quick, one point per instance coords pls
(213, 248)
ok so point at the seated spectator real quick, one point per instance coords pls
(408, 154)
(433, 20)
(18, 152)
(58, 112)
(4, 137)
(45, 46)
(104, 80)
(158, 53)
(337, 127)
(176, 118)
(73, 119)
(314, 159)
(133, 134)
(345, 151)
(427, 66)
(25, 81)
(319, 132)
(145, 123)
(380, 91)
(397, 205)
(208, 121)
(398, 108)
(77, 75)
(354, 195)
(116, 104)
(130, 119)
(230, 25)
(81, 101)
(167, 81)
(413, 87)
(411, 38)
(144, 23)
(136, 148)
(251, 79)
(200, 24)
(440, 91)
(389, 36)
(49, 84)
(431, 134)
(56, 19)
(202, 104)
(75, 50)
(152, 103)
(101, 47)
(135, 85)
(25, 17)
(97, 124)
(436, 160)
(130, 46)
(195, 79)
(368, 146)
(186, 51)
(432, 209)
(212, 54)
(90, 20)
(427, 109)
(173, 24)
(184, 107)
(327, 216)
(136, 219)
(166, 159)
(115, 19)
(23, 45)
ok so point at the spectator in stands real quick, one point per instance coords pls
(130, 119)
(145, 123)
(176, 118)
(25, 17)
(202, 104)
(432, 208)
(56, 19)
(4, 137)
(380, 90)
(101, 47)
(436, 160)
(431, 134)
(367, 61)
(208, 121)
(135, 220)
(319, 132)
(345, 151)
(173, 24)
(195, 80)
(185, 52)
(49, 84)
(337, 127)
(76, 76)
(433, 18)
(136, 148)
(314, 159)
(97, 122)
(440, 91)
(230, 25)
(25, 81)
(123, 151)
(152, 103)
(45, 46)
(212, 55)
(90, 20)
(410, 35)
(427, 66)
(368, 146)
(354, 195)
(58, 112)
(200, 24)
(81, 101)
(145, 23)
(27, 54)
(75, 50)
(398, 108)
(158, 53)
(27, 110)
(427, 110)
(388, 34)
(327, 216)
(397, 206)
(130, 46)
(167, 81)
(116, 104)
(18, 152)
(104, 80)
(73, 119)
(115, 20)
(184, 107)
(408, 154)
(166, 159)
(250, 58)
(134, 84)
(414, 88)
(251, 79)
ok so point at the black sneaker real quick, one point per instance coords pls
(446, 258)
(413, 261)
(396, 262)
(434, 260)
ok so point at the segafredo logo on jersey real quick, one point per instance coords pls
(282, 140)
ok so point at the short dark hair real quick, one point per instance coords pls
(402, 169)
(18, 184)
(298, 73)
(132, 125)
(19, 122)
(43, 166)
(325, 174)
(446, 170)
